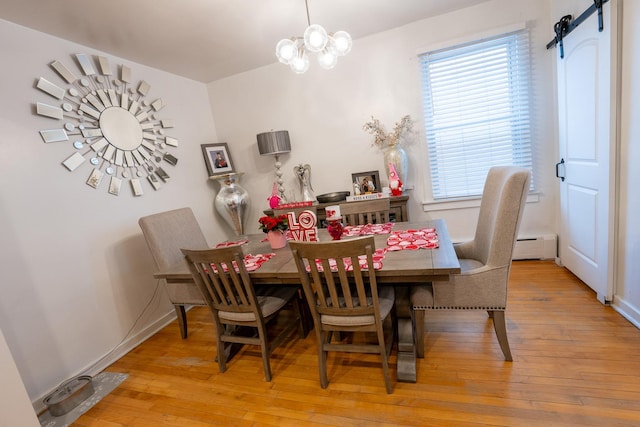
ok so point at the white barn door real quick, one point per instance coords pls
(587, 104)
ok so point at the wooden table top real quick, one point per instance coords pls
(406, 266)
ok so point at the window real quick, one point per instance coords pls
(476, 103)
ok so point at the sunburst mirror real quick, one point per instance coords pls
(110, 123)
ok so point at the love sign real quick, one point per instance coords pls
(303, 227)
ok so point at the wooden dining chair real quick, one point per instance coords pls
(234, 302)
(485, 261)
(165, 233)
(345, 300)
(365, 212)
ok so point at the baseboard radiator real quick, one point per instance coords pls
(541, 247)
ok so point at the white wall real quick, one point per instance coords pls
(324, 111)
(627, 291)
(15, 406)
(76, 271)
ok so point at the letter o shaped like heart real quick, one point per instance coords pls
(307, 219)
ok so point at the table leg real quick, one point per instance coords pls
(406, 337)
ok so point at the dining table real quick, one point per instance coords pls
(403, 266)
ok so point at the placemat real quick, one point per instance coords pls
(367, 229)
(237, 242)
(424, 238)
(251, 262)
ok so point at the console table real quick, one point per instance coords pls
(397, 209)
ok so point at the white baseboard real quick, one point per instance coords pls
(628, 311)
(114, 354)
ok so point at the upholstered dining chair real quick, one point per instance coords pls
(365, 212)
(340, 303)
(485, 261)
(165, 233)
(234, 302)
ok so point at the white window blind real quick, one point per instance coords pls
(476, 103)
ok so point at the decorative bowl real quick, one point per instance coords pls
(336, 196)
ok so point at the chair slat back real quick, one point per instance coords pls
(365, 212)
(224, 288)
(335, 289)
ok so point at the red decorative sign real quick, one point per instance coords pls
(303, 228)
(294, 205)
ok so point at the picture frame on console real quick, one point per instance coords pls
(217, 158)
(367, 182)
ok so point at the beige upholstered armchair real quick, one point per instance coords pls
(485, 261)
(166, 233)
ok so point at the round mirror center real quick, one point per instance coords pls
(121, 128)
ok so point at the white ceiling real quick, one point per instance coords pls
(206, 40)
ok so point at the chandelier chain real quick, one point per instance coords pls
(306, 3)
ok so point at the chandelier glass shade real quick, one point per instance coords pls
(327, 47)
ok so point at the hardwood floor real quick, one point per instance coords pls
(575, 363)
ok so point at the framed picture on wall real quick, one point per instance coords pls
(217, 158)
(367, 182)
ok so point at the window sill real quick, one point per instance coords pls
(464, 203)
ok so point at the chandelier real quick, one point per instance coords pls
(328, 46)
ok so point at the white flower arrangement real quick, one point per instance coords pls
(383, 139)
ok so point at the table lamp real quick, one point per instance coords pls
(275, 143)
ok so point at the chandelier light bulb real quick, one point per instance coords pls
(315, 38)
(327, 59)
(285, 50)
(300, 64)
(342, 42)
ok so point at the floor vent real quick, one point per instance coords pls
(542, 247)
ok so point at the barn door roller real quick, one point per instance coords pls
(564, 26)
